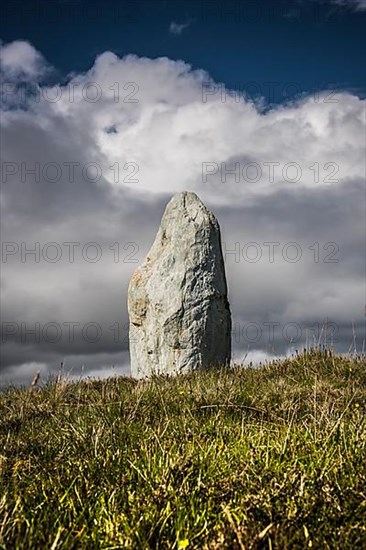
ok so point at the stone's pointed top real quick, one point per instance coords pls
(187, 195)
(186, 198)
(187, 206)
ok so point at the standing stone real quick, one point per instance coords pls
(177, 299)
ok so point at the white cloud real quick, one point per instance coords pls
(21, 59)
(352, 5)
(358, 5)
(154, 114)
(166, 119)
(178, 28)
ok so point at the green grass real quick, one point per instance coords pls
(269, 457)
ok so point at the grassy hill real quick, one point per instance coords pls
(269, 457)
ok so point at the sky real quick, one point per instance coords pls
(108, 109)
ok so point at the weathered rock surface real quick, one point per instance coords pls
(177, 299)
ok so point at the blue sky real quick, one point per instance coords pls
(277, 48)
